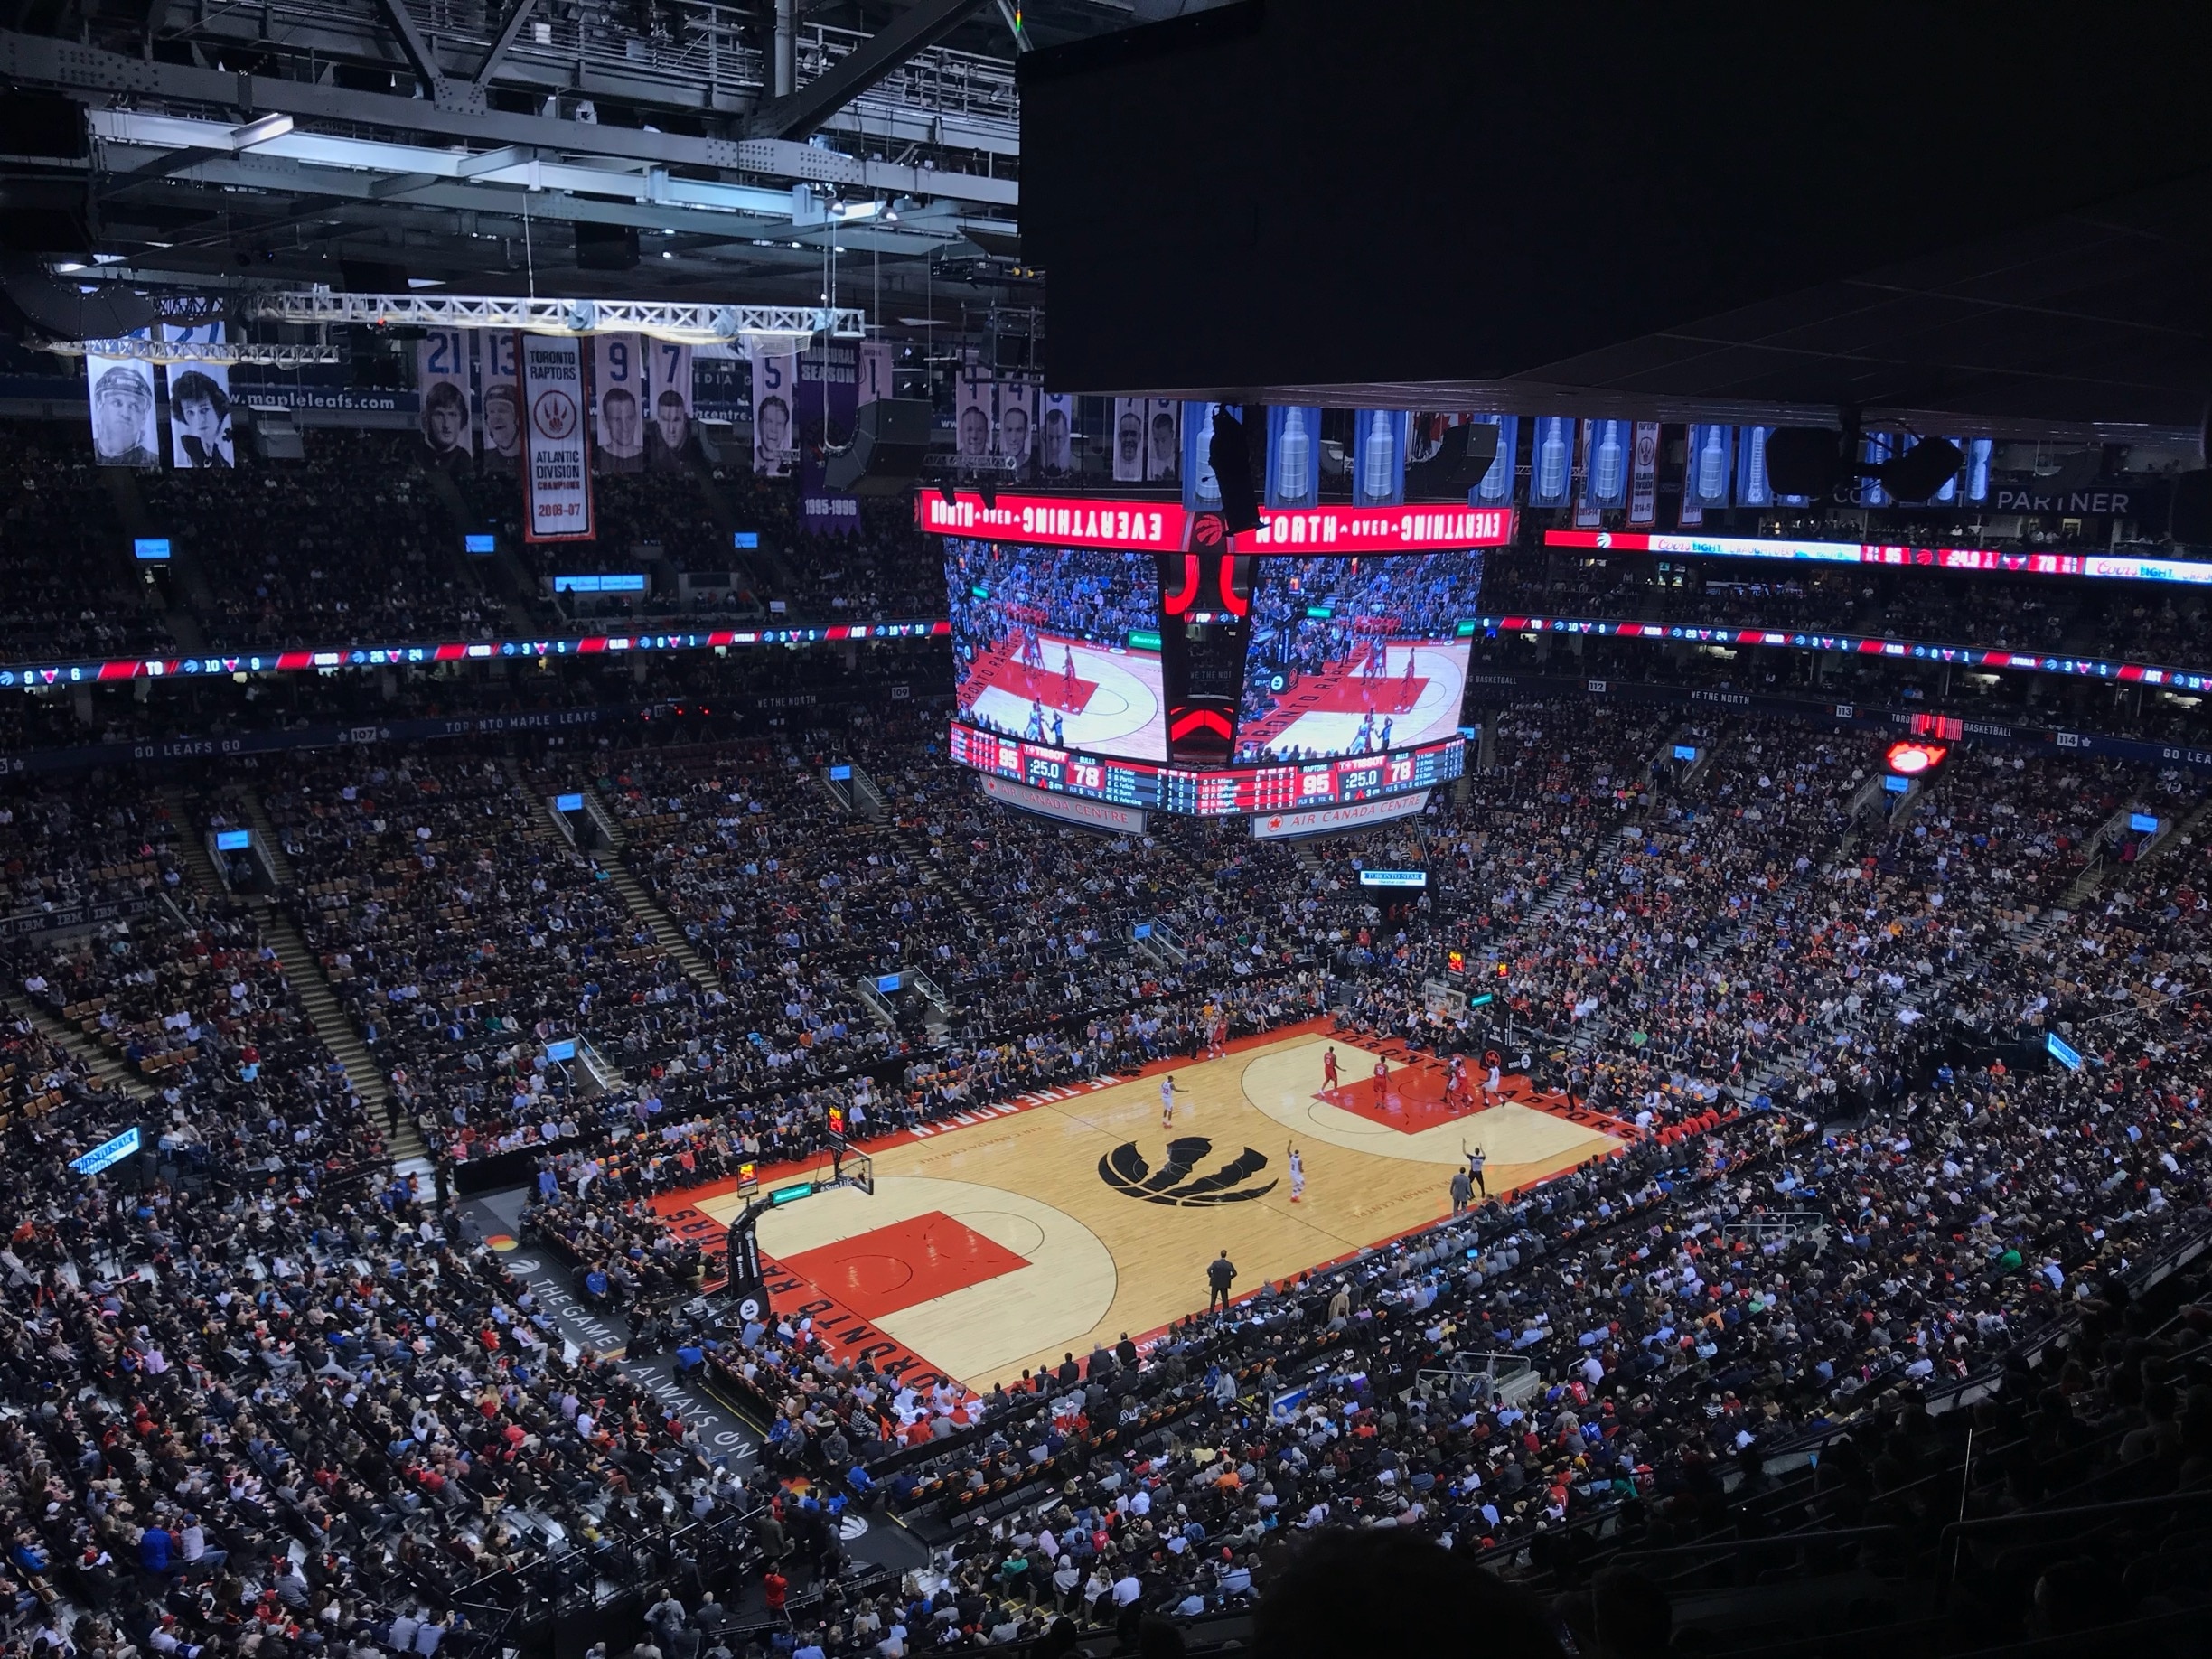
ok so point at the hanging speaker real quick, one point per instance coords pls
(1805, 460)
(890, 437)
(1917, 473)
(1230, 455)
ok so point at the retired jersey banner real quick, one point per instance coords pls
(198, 403)
(498, 397)
(557, 497)
(667, 401)
(618, 392)
(775, 382)
(442, 377)
(123, 429)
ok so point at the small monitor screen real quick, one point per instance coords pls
(2143, 823)
(568, 803)
(839, 775)
(153, 548)
(480, 544)
(1394, 878)
(1685, 752)
(109, 1152)
(563, 1050)
(233, 840)
(746, 538)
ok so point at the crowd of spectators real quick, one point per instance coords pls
(65, 562)
(1829, 1211)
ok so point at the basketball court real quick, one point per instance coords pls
(1413, 695)
(1053, 1223)
(1103, 697)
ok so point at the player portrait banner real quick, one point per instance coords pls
(1495, 488)
(975, 409)
(667, 402)
(1056, 451)
(1163, 439)
(557, 496)
(120, 391)
(1293, 457)
(498, 397)
(1018, 395)
(828, 395)
(618, 401)
(1644, 476)
(442, 379)
(1129, 439)
(200, 403)
(775, 383)
(1378, 457)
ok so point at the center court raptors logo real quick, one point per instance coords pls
(1125, 1170)
(554, 414)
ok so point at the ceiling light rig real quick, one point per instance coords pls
(759, 330)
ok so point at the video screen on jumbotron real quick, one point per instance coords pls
(1058, 645)
(1355, 655)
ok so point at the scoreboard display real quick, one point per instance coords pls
(1217, 791)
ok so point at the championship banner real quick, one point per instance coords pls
(1378, 457)
(1018, 395)
(119, 391)
(1644, 476)
(828, 394)
(442, 377)
(1550, 461)
(1708, 466)
(618, 389)
(668, 391)
(1293, 457)
(556, 498)
(975, 409)
(775, 381)
(498, 397)
(1056, 439)
(1129, 439)
(1201, 488)
(1496, 487)
(1609, 446)
(198, 403)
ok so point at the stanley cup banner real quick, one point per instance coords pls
(1293, 456)
(442, 378)
(1379, 458)
(1709, 465)
(1644, 476)
(1608, 448)
(1201, 488)
(1550, 461)
(198, 403)
(120, 391)
(1495, 488)
(556, 498)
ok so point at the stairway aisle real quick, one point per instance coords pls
(192, 846)
(107, 1069)
(641, 904)
(403, 1144)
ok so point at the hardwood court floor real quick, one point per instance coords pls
(1003, 1245)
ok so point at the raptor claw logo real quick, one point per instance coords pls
(1125, 1170)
